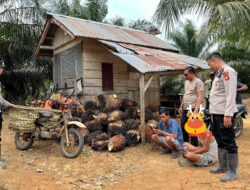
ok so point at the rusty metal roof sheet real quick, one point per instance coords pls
(151, 60)
(193, 61)
(90, 29)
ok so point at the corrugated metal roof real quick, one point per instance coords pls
(90, 29)
(151, 60)
(193, 61)
(117, 47)
(145, 64)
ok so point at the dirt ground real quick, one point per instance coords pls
(137, 168)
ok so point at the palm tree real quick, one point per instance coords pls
(139, 24)
(21, 25)
(69, 8)
(188, 40)
(62, 7)
(118, 21)
(238, 58)
(96, 10)
(223, 16)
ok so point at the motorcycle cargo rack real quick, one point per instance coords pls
(22, 118)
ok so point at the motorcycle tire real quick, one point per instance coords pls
(74, 137)
(27, 140)
(238, 127)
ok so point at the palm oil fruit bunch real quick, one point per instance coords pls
(116, 143)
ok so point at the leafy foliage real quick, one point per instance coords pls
(118, 21)
(139, 24)
(242, 68)
(97, 10)
(26, 76)
(25, 84)
(62, 7)
(224, 17)
(172, 85)
(238, 58)
(189, 40)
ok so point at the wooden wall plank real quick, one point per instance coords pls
(92, 65)
(61, 37)
(121, 82)
(120, 90)
(91, 74)
(92, 82)
(92, 90)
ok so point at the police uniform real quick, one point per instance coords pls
(222, 103)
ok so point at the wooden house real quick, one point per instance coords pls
(110, 59)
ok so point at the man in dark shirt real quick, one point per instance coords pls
(3, 103)
(240, 87)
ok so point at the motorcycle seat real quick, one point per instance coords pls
(45, 114)
(206, 112)
(240, 107)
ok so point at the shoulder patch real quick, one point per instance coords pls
(226, 75)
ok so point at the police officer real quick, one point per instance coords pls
(3, 103)
(223, 109)
(240, 88)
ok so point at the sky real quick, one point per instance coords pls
(140, 9)
(132, 9)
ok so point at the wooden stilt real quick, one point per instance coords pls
(142, 107)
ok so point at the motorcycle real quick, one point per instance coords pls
(57, 127)
(238, 124)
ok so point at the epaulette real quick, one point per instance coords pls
(220, 72)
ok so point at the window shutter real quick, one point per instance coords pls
(107, 77)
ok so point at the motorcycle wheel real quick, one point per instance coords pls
(23, 141)
(75, 146)
(238, 127)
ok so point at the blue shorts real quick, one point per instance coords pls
(174, 141)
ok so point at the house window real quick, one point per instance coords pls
(107, 77)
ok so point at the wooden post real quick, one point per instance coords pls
(142, 107)
(148, 83)
(159, 94)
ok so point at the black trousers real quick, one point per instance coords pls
(184, 119)
(1, 126)
(1, 121)
(225, 137)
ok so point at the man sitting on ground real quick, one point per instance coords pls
(169, 135)
(203, 155)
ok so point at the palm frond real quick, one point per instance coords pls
(168, 12)
(171, 85)
(118, 21)
(242, 68)
(22, 83)
(228, 18)
(189, 40)
(97, 9)
(139, 24)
